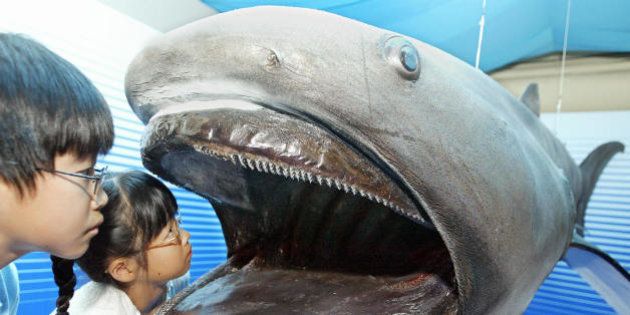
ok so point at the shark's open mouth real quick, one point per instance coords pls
(310, 224)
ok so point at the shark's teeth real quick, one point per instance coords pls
(294, 174)
(379, 200)
(276, 169)
(328, 182)
(243, 161)
(265, 167)
(301, 175)
(338, 185)
(259, 166)
(346, 188)
(272, 168)
(355, 191)
(251, 165)
(370, 196)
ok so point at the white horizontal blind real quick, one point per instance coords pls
(101, 42)
(607, 216)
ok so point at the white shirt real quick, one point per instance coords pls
(95, 298)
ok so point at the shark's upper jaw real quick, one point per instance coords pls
(291, 196)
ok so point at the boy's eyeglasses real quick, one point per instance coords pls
(174, 238)
(94, 175)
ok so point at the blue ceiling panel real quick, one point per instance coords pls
(514, 29)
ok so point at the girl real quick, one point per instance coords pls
(139, 248)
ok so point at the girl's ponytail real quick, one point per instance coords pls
(65, 280)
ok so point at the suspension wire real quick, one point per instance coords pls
(482, 24)
(564, 58)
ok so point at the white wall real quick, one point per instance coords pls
(85, 24)
(592, 83)
(602, 125)
(162, 15)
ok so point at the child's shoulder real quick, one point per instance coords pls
(95, 298)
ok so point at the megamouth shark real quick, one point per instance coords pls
(356, 170)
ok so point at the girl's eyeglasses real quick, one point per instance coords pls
(94, 175)
(174, 236)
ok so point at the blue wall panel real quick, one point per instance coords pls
(607, 226)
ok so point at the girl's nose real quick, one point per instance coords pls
(185, 236)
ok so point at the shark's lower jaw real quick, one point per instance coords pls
(310, 225)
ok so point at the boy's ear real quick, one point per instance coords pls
(124, 269)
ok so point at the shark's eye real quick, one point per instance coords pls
(409, 58)
(403, 56)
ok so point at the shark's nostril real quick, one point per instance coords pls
(272, 59)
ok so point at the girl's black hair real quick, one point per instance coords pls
(139, 207)
(47, 107)
(65, 280)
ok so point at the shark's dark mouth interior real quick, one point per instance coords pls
(293, 199)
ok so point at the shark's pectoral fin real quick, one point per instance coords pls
(601, 271)
(531, 99)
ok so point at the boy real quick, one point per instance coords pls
(53, 124)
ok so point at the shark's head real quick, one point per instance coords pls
(348, 165)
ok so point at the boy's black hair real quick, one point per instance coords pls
(47, 107)
(139, 207)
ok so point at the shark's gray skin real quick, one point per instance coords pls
(355, 170)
